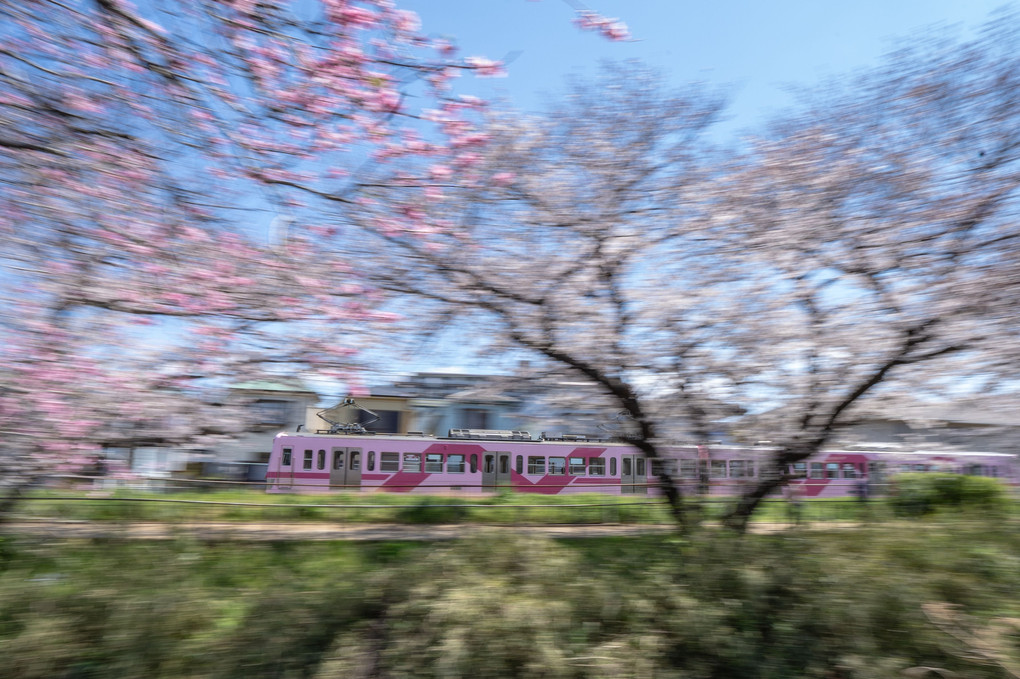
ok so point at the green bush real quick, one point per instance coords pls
(925, 493)
(804, 603)
(432, 510)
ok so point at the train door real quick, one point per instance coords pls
(495, 470)
(633, 475)
(346, 468)
(876, 478)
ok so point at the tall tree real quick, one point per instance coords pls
(864, 246)
(143, 150)
(560, 252)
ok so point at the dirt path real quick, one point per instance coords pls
(318, 531)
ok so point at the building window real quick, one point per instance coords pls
(577, 466)
(520, 464)
(271, 413)
(817, 470)
(849, 470)
(476, 418)
(412, 462)
(536, 465)
(557, 465)
(433, 463)
(455, 464)
(308, 459)
(388, 422)
(371, 460)
(286, 457)
(612, 466)
(389, 462)
(474, 463)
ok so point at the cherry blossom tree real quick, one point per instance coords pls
(863, 247)
(557, 252)
(168, 175)
(878, 245)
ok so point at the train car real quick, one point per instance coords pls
(831, 473)
(466, 461)
(480, 461)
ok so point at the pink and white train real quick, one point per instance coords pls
(479, 461)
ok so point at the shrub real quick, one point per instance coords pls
(919, 494)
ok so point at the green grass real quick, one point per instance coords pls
(503, 508)
(801, 604)
(251, 505)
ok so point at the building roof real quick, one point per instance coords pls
(282, 386)
(986, 411)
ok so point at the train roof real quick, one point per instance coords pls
(520, 437)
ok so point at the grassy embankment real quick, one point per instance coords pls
(801, 604)
(502, 508)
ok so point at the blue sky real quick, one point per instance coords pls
(756, 47)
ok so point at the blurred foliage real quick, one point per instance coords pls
(846, 603)
(502, 508)
(925, 493)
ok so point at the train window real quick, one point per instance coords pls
(433, 463)
(557, 465)
(627, 467)
(308, 459)
(389, 462)
(338, 458)
(817, 470)
(718, 469)
(920, 468)
(371, 460)
(832, 470)
(520, 464)
(286, 457)
(356, 460)
(536, 465)
(738, 469)
(474, 463)
(321, 464)
(596, 466)
(849, 470)
(577, 466)
(639, 466)
(612, 466)
(767, 470)
(993, 472)
(504, 464)
(689, 469)
(489, 464)
(800, 470)
(455, 464)
(412, 462)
